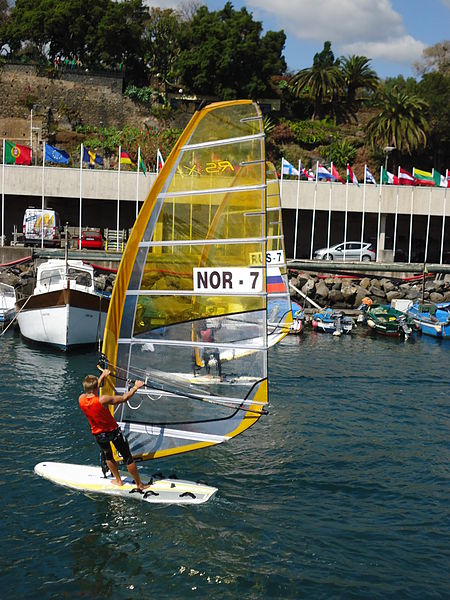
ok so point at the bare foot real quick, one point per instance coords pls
(118, 483)
(143, 487)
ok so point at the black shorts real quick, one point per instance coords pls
(116, 437)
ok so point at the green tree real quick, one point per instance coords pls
(161, 45)
(323, 82)
(400, 122)
(358, 76)
(224, 55)
(434, 88)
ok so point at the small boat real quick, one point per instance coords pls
(64, 309)
(386, 320)
(431, 319)
(7, 304)
(332, 321)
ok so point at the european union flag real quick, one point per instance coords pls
(55, 155)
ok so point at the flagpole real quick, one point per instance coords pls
(3, 195)
(443, 214)
(137, 180)
(330, 193)
(346, 208)
(394, 243)
(81, 194)
(411, 224)
(157, 162)
(314, 212)
(363, 210)
(43, 192)
(379, 212)
(296, 211)
(428, 223)
(118, 201)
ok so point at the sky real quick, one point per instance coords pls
(392, 33)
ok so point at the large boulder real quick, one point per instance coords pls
(322, 291)
(393, 295)
(365, 283)
(377, 292)
(387, 285)
(375, 283)
(413, 293)
(436, 297)
(348, 292)
(308, 287)
(335, 297)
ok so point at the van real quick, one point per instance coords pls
(34, 220)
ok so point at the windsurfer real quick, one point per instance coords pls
(104, 426)
(211, 356)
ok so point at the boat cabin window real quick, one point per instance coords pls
(80, 277)
(51, 277)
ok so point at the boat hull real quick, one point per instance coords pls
(63, 318)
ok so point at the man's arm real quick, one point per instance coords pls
(103, 376)
(124, 397)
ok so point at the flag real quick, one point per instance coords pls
(274, 281)
(54, 155)
(335, 174)
(125, 158)
(16, 155)
(323, 173)
(142, 166)
(387, 177)
(369, 177)
(287, 168)
(159, 160)
(308, 174)
(405, 178)
(351, 177)
(439, 180)
(423, 177)
(91, 157)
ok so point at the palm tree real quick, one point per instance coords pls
(323, 81)
(400, 122)
(357, 76)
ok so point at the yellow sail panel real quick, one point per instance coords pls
(192, 286)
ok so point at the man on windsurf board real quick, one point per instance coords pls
(104, 427)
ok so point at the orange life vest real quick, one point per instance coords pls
(99, 417)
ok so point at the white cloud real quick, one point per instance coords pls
(368, 27)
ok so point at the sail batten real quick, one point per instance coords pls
(187, 192)
(212, 143)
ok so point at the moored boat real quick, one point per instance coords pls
(7, 304)
(432, 319)
(332, 321)
(386, 320)
(64, 309)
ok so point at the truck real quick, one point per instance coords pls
(41, 223)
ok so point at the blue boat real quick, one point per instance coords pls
(332, 321)
(432, 319)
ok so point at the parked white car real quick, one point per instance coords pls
(351, 251)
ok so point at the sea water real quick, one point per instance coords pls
(342, 491)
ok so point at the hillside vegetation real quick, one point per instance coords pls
(337, 109)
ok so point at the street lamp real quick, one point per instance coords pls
(387, 150)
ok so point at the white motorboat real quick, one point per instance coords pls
(7, 304)
(64, 309)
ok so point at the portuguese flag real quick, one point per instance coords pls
(17, 155)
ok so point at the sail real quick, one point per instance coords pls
(192, 284)
(279, 312)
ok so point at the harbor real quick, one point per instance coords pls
(340, 491)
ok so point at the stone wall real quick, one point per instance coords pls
(346, 293)
(77, 99)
